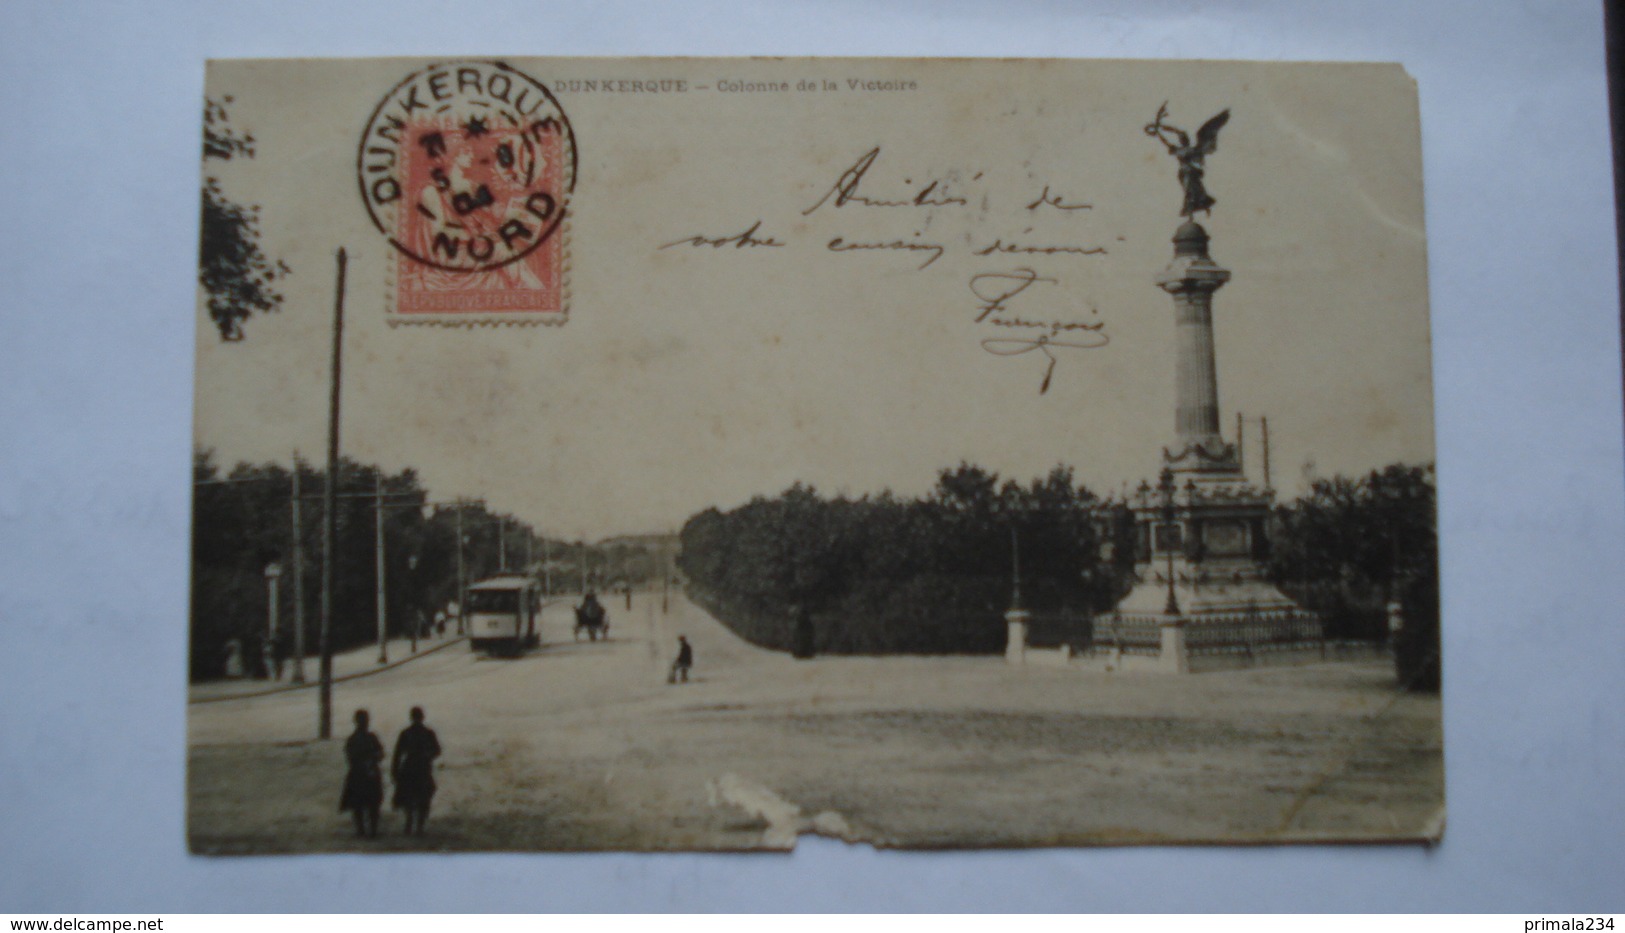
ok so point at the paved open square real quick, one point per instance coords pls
(586, 746)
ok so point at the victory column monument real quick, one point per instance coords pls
(1201, 601)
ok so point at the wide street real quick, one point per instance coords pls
(586, 746)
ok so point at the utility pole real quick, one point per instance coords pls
(273, 572)
(378, 557)
(1015, 567)
(298, 581)
(329, 502)
(1241, 448)
(462, 579)
(1264, 430)
(502, 544)
(547, 567)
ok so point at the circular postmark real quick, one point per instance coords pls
(467, 166)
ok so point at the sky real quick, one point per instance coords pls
(689, 377)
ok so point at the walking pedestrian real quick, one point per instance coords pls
(363, 792)
(685, 660)
(412, 768)
(278, 652)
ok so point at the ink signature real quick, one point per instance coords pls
(994, 289)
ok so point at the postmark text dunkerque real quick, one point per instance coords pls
(467, 166)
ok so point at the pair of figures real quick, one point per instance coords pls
(411, 768)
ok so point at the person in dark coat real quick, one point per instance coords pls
(277, 652)
(592, 616)
(685, 660)
(364, 783)
(593, 610)
(803, 636)
(412, 769)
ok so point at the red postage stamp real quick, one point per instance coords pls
(467, 169)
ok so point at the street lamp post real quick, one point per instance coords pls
(1165, 486)
(415, 621)
(462, 573)
(1017, 621)
(1015, 568)
(378, 561)
(298, 581)
(273, 571)
(502, 544)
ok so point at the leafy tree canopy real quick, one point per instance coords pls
(234, 271)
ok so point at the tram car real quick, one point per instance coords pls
(502, 615)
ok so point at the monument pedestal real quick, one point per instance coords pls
(1015, 640)
(1228, 617)
(1174, 659)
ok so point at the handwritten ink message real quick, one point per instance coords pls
(1019, 311)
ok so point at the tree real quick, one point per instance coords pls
(1377, 530)
(241, 522)
(883, 574)
(1351, 547)
(235, 273)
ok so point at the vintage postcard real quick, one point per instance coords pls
(651, 454)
